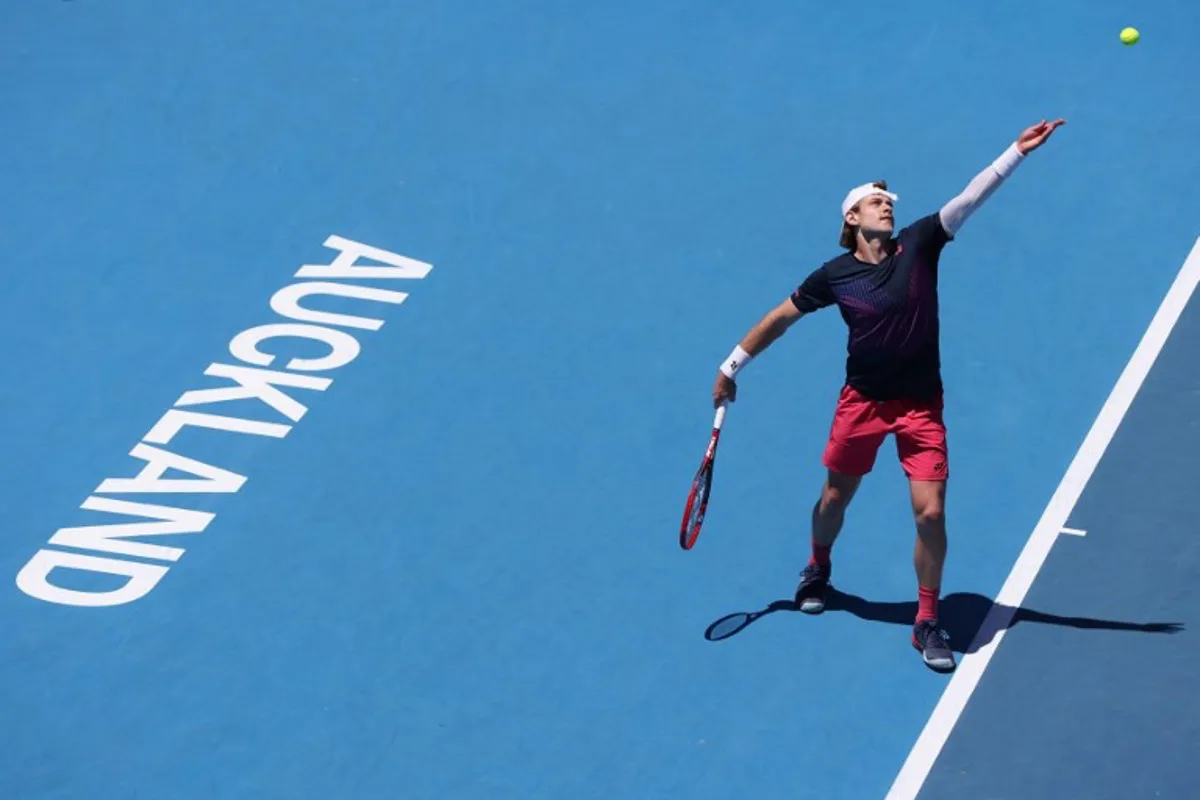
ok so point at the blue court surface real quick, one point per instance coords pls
(360, 356)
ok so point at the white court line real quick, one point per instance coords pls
(1074, 531)
(954, 699)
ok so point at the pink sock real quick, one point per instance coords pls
(820, 554)
(927, 604)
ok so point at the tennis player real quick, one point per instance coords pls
(885, 286)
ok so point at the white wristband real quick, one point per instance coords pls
(737, 360)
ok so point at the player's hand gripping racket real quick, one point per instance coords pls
(697, 502)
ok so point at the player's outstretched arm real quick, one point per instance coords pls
(956, 212)
(759, 338)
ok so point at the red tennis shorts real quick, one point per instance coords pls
(860, 425)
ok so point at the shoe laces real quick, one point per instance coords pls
(814, 571)
(930, 635)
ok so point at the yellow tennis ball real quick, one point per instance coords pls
(1130, 36)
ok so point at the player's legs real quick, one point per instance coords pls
(921, 445)
(929, 556)
(857, 430)
(929, 559)
(830, 510)
(827, 517)
(854, 438)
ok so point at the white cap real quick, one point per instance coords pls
(859, 192)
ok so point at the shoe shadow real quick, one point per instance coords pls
(971, 620)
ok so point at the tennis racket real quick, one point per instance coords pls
(697, 502)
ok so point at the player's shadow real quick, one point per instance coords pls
(962, 615)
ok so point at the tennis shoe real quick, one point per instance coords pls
(934, 644)
(814, 585)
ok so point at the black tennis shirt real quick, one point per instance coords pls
(891, 309)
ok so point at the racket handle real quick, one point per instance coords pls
(719, 419)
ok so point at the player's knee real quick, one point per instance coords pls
(931, 515)
(834, 499)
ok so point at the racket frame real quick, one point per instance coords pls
(701, 485)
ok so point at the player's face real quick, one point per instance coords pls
(875, 215)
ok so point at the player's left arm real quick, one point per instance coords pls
(981, 187)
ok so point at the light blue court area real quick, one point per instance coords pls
(360, 356)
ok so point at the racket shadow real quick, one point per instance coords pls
(963, 616)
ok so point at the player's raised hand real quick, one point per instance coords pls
(1035, 135)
